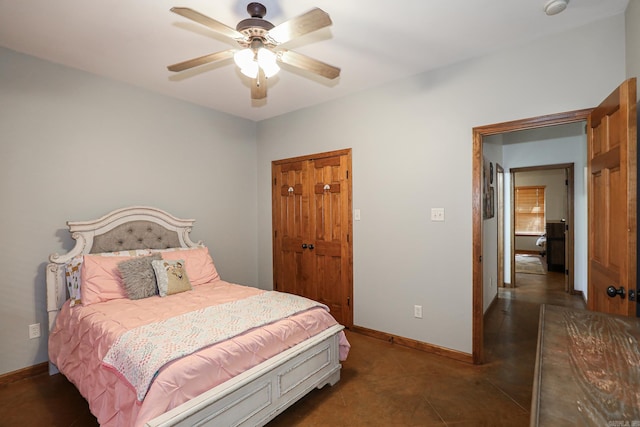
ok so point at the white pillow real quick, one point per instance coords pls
(73, 272)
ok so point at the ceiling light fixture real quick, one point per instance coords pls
(554, 7)
(257, 56)
(260, 41)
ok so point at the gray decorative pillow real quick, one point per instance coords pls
(138, 276)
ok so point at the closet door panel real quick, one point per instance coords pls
(291, 220)
(329, 215)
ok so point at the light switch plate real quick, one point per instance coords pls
(437, 214)
(356, 214)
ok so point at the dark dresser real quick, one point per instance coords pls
(555, 246)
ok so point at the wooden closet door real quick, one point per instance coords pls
(291, 227)
(330, 210)
(312, 247)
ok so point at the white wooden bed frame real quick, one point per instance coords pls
(252, 398)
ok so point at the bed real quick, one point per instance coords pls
(542, 242)
(200, 351)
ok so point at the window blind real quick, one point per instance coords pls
(529, 210)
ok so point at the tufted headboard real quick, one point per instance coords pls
(135, 227)
(135, 235)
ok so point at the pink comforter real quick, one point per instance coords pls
(82, 336)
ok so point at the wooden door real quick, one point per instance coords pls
(312, 226)
(611, 163)
(567, 226)
(290, 225)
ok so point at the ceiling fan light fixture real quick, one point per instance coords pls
(259, 41)
(245, 60)
(267, 61)
(251, 70)
(248, 62)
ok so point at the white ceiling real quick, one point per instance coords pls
(372, 42)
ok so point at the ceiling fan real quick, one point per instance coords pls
(260, 45)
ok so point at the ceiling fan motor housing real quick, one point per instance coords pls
(255, 26)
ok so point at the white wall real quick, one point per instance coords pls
(75, 146)
(632, 28)
(412, 150)
(550, 146)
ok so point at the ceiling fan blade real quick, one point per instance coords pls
(304, 62)
(306, 23)
(211, 23)
(206, 59)
(259, 86)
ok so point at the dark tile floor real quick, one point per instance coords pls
(382, 384)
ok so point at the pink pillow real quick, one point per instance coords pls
(101, 279)
(197, 262)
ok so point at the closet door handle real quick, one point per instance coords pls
(304, 246)
(311, 246)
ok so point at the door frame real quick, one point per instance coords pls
(478, 134)
(500, 216)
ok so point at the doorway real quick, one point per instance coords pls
(478, 134)
(553, 239)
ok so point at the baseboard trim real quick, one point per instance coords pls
(491, 304)
(24, 373)
(414, 344)
(41, 368)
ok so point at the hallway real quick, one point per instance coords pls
(511, 324)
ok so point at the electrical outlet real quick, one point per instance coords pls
(417, 311)
(437, 214)
(34, 331)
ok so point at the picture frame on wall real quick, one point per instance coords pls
(492, 199)
(488, 197)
